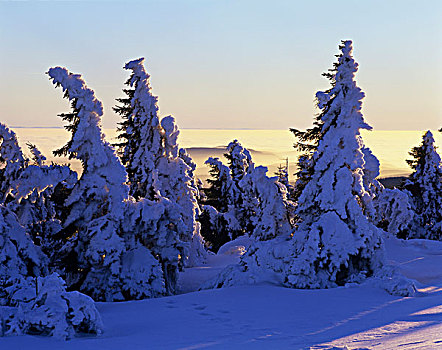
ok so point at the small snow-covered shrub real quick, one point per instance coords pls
(18, 255)
(41, 306)
(394, 212)
(156, 225)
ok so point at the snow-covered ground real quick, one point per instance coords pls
(271, 317)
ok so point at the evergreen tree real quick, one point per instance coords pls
(272, 217)
(44, 307)
(141, 138)
(18, 255)
(267, 254)
(238, 159)
(219, 193)
(218, 198)
(333, 242)
(283, 178)
(150, 153)
(308, 141)
(97, 250)
(227, 211)
(12, 161)
(425, 183)
(36, 192)
(394, 212)
(37, 157)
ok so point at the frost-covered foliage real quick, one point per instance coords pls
(230, 213)
(141, 134)
(39, 195)
(272, 216)
(30, 188)
(159, 226)
(219, 193)
(334, 242)
(225, 187)
(150, 153)
(238, 159)
(425, 184)
(37, 157)
(268, 252)
(371, 173)
(30, 304)
(12, 161)
(242, 200)
(176, 183)
(42, 306)
(394, 212)
(118, 247)
(94, 246)
(18, 255)
(283, 178)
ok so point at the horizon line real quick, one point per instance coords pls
(243, 129)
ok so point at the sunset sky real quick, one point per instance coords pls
(225, 64)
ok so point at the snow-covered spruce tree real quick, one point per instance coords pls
(150, 153)
(272, 216)
(272, 220)
(283, 178)
(37, 157)
(176, 183)
(394, 212)
(425, 184)
(308, 142)
(141, 135)
(36, 193)
(18, 255)
(334, 242)
(159, 225)
(44, 307)
(227, 214)
(96, 252)
(219, 194)
(215, 227)
(12, 161)
(243, 201)
(238, 159)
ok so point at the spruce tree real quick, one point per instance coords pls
(19, 257)
(142, 143)
(12, 161)
(227, 211)
(98, 255)
(283, 178)
(308, 141)
(218, 199)
(267, 254)
(150, 153)
(425, 184)
(334, 242)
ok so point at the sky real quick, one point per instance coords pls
(225, 64)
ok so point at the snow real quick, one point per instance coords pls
(269, 317)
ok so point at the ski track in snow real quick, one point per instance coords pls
(271, 317)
